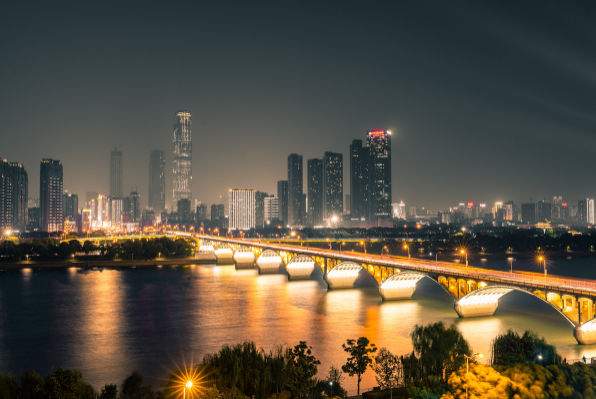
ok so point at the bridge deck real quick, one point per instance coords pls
(565, 285)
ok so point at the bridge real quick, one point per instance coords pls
(475, 291)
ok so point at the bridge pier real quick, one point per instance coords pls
(482, 302)
(400, 285)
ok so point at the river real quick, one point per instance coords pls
(108, 323)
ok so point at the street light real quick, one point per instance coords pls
(542, 259)
(467, 367)
(331, 384)
(463, 252)
(187, 386)
(364, 245)
(511, 263)
(437, 258)
(383, 249)
(408, 248)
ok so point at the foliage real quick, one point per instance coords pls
(302, 368)
(359, 357)
(109, 391)
(387, 368)
(432, 388)
(441, 350)
(510, 349)
(8, 386)
(61, 384)
(132, 388)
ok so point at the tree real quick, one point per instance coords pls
(510, 349)
(387, 369)
(302, 368)
(132, 386)
(109, 391)
(336, 377)
(59, 385)
(8, 386)
(359, 358)
(441, 350)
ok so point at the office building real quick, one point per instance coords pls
(116, 179)
(528, 213)
(217, 212)
(182, 158)
(260, 209)
(360, 179)
(34, 219)
(242, 209)
(347, 203)
(134, 211)
(333, 191)
(50, 196)
(508, 211)
(379, 144)
(184, 214)
(585, 211)
(85, 220)
(201, 213)
(282, 195)
(399, 211)
(157, 181)
(544, 212)
(294, 189)
(70, 203)
(20, 195)
(315, 191)
(116, 209)
(5, 196)
(271, 211)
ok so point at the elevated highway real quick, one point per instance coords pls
(475, 291)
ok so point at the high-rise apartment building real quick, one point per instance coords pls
(295, 174)
(116, 179)
(585, 210)
(157, 180)
(528, 213)
(271, 210)
(50, 196)
(135, 212)
(184, 214)
(282, 195)
(260, 209)
(242, 209)
(182, 158)
(70, 204)
(5, 195)
(379, 144)
(20, 195)
(544, 212)
(333, 190)
(315, 191)
(116, 208)
(201, 213)
(217, 212)
(360, 179)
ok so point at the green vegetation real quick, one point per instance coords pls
(50, 249)
(360, 357)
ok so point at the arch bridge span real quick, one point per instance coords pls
(476, 292)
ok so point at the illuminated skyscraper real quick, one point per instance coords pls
(5, 196)
(282, 195)
(116, 181)
(50, 196)
(379, 143)
(294, 189)
(315, 191)
(157, 181)
(70, 204)
(182, 158)
(333, 187)
(271, 210)
(585, 210)
(20, 195)
(242, 209)
(134, 210)
(360, 179)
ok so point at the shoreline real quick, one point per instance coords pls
(197, 260)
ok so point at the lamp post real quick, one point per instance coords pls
(467, 367)
(511, 264)
(364, 245)
(542, 259)
(383, 249)
(406, 246)
(437, 258)
(187, 386)
(331, 385)
(463, 252)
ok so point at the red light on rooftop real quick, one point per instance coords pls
(564, 204)
(470, 204)
(376, 132)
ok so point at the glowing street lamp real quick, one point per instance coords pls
(331, 385)
(437, 258)
(364, 245)
(467, 367)
(383, 249)
(187, 386)
(463, 252)
(407, 248)
(511, 263)
(542, 259)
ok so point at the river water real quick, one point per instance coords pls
(107, 323)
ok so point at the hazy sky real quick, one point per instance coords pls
(488, 101)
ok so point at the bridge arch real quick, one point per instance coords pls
(269, 262)
(300, 267)
(244, 258)
(224, 254)
(207, 247)
(345, 274)
(484, 301)
(402, 284)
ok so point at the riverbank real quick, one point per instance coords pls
(198, 259)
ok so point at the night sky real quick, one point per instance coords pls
(487, 102)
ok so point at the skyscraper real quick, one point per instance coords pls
(260, 209)
(134, 210)
(5, 195)
(184, 214)
(585, 210)
(116, 181)
(315, 191)
(271, 210)
(20, 195)
(294, 189)
(360, 179)
(242, 209)
(50, 196)
(528, 213)
(182, 158)
(70, 204)
(333, 187)
(379, 143)
(282, 195)
(157, 180)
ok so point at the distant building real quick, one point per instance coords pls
(134, 211)
(85, 220)
(528, 213)
(282, 195)
(5, 196)
(71, 205)
(116, 180)
(242, 209)
(260, 209)
(182, 158)
(360, 180)
(347, 203)
(585, 210)
(157, 180)
(90, 196)
(333, 191)
(184, 215)
(379, 143)
(217, 212)
(399, 211)
(201, 213)
(271, 210)
(116, 209)
(295, 189)
(508, 211)
(544, 211)
(50, 196)
(20, 195)
(315, 191)
(34, 219)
